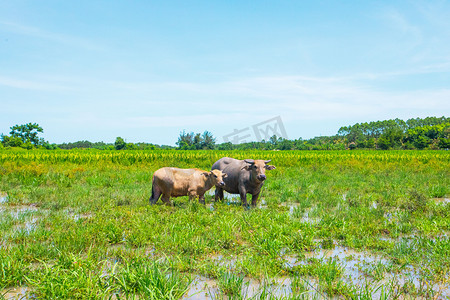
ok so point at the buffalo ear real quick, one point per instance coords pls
(224, 175)
(205, 174)
(269, 167)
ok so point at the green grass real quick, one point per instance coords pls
(230, 284)
(78, 224)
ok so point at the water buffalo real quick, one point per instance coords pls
(244, 176)
(174, 182)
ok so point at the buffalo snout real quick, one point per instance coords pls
(262, 177)
(221, 183)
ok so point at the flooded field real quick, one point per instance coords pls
(363, 227)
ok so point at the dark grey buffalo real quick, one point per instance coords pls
(244, 177)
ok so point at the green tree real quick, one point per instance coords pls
(9, 141)
(355, 134)
(208, 140)
(421, 142)
(185, 140)
(285, 144)
(49, 146)
(370, 143)
(28, 133)
(131, 146)
(225, 146)
(428, 135)
(383, 143)
(444, 143)
(196, 141)
(119, 144)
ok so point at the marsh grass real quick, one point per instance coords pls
(88, 224)
(231, 284)
(150, 280)
(302, 287)
(13, 268)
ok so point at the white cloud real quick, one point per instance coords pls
(51, 36)
(31, 84)
(401, 23)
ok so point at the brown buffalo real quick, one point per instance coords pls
(174, 182)
(244, 176)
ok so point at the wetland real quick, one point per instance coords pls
(342, 224)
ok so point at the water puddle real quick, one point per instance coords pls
(28, 227)
(228, 262)
(229, 199)
(78, 217)
(262, 203)
(22, 213)
(292, 207)
(352, 261)
(311, 220)
(362, 267)
(207, 288)
(234, 199)
(3, 198)
(73, 214)
(374, 205)
(150, 252)
(442, 200)
(201, 288)
(391, 217)
(25, 218)
(303, 214)
(15, 293)
(19, 210)
(114, 249)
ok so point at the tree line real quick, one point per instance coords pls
(430, 132)
(416, 133)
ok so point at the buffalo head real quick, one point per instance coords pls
(258, 168)
(216, 177)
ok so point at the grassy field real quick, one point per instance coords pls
(349, 224)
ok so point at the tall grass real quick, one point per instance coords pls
(79, 223)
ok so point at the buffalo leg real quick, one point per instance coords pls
(166, 199)
(156, 193)
(192, 195)
(201, 199)
(243, 194)
(254, 199)
(218, 194)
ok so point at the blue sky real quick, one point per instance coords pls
(147, 70)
